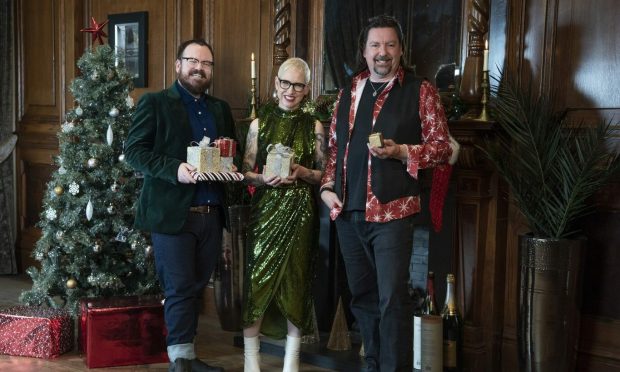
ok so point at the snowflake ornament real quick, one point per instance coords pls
(74, 188)
(67, 127)
(51, 214)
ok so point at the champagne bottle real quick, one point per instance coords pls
(452, 330)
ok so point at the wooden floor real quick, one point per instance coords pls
(213, 345)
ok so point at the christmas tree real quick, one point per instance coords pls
(88, 247)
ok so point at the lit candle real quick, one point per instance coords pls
(253, 67)
(485, 60)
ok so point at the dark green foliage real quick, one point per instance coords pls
(552, 167)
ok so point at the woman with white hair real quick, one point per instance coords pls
(283, 227)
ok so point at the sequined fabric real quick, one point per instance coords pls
(34, 331)
(283, 233)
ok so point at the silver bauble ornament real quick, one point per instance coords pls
(92, 162)
(110, 209)
(79, 111)
(113, 112)
(59, 234)
(114, 187)
(97, 247)
(121, 157)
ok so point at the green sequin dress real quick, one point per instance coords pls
(282, 233)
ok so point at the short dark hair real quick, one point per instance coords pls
(185, 44)
(380, 21)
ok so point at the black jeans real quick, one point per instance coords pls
(184, 264)
(376, 257)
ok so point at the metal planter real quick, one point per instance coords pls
(549, 303)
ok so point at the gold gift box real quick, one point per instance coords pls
(375, 140)
(205, 159)
(279, 164)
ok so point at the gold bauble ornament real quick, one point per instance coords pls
(71, 283)
(58, 190)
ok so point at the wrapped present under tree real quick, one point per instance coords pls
(121, 331)
(35, 331)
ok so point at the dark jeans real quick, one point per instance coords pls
(184, 264)
(376, 257)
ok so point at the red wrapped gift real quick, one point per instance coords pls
(227, 146)
(34, 331)
(121, 331)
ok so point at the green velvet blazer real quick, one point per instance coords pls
(156, 145)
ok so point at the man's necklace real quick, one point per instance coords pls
(377, 90)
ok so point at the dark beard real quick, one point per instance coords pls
(193, 87)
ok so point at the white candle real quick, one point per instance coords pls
(253, 67)
(485, 60)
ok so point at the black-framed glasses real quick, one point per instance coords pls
(285, 84)
(194, 62)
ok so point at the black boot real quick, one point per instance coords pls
(200, 366)
(180, 365)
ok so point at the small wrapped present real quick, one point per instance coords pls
(34, 331)
(120, 331)
(375, 140)
(228, 149)
(279, 161)
(205, 156)
(227, 146)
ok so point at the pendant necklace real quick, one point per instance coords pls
(374, 94)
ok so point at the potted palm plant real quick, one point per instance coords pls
(552, 168)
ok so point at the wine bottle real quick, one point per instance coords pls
(452, 330)
(417, 339)
(429, 307)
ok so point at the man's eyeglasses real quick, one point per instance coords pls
(285, 84)
(194, 62)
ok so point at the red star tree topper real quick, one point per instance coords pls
(96, 30)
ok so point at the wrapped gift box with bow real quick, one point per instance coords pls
(205, 156)
(279, 161)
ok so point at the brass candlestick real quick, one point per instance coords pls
(484, 115)
(253, 99)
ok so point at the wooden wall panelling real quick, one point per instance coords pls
(46, 40)
(315, 44)
(570, 48)
(237, 33)
(480, 237)
(169, 21)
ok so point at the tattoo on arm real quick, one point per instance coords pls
(249, 158)
(321, 150)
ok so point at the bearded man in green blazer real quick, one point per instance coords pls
(185, 218)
